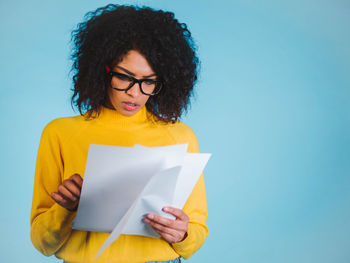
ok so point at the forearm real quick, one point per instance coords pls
(196, 235)
(51, 229)
(196, 209)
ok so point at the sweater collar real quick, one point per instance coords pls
(108, 115)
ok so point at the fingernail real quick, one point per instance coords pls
(167, 209)
(150, 216)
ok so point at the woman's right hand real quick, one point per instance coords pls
(68, 193)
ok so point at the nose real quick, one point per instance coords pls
(135, 90)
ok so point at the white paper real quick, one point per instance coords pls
(123, 184)
(114, 177)
(147, 202)
(153, 198)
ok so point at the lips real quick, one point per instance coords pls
(130, 106)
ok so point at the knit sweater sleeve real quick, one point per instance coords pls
(196, 210)
(50, 223)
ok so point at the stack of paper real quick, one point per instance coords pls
(123, 184)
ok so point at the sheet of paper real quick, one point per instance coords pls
(151, 200)
(159, 192)
(169, 187)
(114, 177)
(194, 164)
(171, 152)
(123, 184)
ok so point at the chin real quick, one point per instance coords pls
(128, 113)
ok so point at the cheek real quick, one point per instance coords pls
(114, 96)
(145, 99)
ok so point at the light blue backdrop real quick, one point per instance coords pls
(272, 106)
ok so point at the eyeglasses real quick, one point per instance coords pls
(124, 82)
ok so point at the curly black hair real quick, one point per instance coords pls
(109, 32)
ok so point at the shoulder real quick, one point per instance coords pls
(64, 127)
(181, 129)
(184, 134)
(61, 124)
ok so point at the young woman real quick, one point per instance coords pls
(134, 74)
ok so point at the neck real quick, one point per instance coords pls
(109, 115)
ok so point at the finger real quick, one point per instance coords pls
(166, 222)
(168, 234)
(77, 179)
(159, 227)
(72, 187)
(58, 198)
(178, 213)
(66, 193)
(167, 237)
(171, 238)
(162, 220)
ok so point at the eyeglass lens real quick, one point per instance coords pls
(124, 82)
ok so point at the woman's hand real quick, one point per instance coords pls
(68, 193)
(172, 231)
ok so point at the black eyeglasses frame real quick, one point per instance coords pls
(158, 83)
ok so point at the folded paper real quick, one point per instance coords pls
(123, 184)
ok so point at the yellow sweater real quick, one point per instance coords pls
(63, 151)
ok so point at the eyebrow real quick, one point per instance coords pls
(133, 74)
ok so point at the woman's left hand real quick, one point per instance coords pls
(172, 231)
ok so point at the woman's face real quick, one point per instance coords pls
(129, 102)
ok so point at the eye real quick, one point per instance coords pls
(150, 82)
(123, 77)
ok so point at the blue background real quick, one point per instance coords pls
(272, 105)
